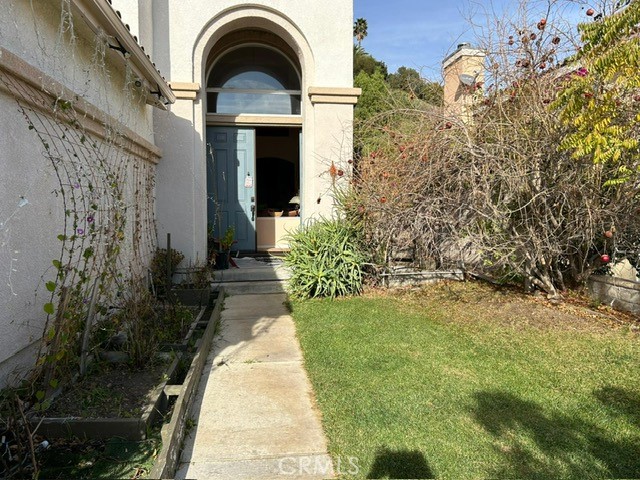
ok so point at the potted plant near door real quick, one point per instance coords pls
(195, 288)
(223, 254)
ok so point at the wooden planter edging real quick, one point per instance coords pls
(173, 432)
(618, 293)
(184, 345)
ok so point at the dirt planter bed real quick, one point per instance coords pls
(157, 400)
(134, 428)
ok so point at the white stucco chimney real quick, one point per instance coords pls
(463, 70)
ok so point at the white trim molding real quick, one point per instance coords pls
(185, 90)
(334, 95)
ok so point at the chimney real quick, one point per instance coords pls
(463, 71)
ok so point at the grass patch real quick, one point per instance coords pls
(463, 381)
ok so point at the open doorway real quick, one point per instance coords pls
(278, 185)
(254, 184)
(277, 169)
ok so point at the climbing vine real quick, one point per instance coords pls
(104, 184)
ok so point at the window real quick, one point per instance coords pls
(253, 80)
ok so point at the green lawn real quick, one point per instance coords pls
(461, 381)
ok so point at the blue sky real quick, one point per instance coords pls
(413, 33)
(420, 33)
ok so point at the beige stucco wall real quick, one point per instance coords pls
(27, 237)
(183, 35)
(31, 214)
(32, 31)
(181, 181)
(327, 27)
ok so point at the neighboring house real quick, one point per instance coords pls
(256, 105)
(463, 72)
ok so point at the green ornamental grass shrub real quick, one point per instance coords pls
(326, 260)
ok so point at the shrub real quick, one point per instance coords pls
(159, 266)
(140, 324)
(490, 191)
(326, 260)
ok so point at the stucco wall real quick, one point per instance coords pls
(181, 186)
(37, 70)
(327, 27)
(65, 49)
(27, 235)
(320, 33)
(332, 142)
(33, 214)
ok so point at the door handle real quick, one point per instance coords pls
(253, 212)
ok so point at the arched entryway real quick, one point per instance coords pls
(253, 79)
(254, 127)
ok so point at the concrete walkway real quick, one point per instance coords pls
(255, 413)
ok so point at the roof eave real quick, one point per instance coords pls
(99, 15)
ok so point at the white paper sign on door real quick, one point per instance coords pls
(248, 181)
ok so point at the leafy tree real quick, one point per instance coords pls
(410, 81)
(599, 100)
(375, 94)
(360, 30)
(364, 62)
(405, 79)
(433, 93)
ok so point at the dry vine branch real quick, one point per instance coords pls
(495, 194)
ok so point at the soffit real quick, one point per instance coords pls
(100, 16)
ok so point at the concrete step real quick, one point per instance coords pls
(249, 274)
(250, 269)
(250, 287)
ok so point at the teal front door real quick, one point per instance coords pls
(231, 186)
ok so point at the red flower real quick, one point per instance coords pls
(333, 171)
